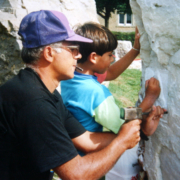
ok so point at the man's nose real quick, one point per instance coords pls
(78, 56)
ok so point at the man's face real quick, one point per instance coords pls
(65, 62)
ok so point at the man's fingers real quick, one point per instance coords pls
(153, 111)
(137, 121)
(157, 112)
(146, 83)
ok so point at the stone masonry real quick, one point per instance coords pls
(11, 14)
(159, 24)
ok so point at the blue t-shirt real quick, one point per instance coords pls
(91, 103)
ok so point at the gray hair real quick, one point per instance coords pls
(32, 55)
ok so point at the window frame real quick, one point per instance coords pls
(125, 20)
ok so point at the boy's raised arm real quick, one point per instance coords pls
(121, 65)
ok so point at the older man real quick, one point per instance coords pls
(37, 133)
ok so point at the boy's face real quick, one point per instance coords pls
(104, 61)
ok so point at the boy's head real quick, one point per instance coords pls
(103, 40)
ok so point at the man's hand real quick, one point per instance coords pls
(151, 94)
(130, 133)
(95, 165)
(150, 124)
(152, 88)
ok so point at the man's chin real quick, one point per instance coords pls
(70, 77)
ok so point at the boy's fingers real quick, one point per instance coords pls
(137, 31)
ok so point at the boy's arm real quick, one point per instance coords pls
(118, 67)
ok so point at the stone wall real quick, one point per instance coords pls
(11, 14)
(159, 24)
(123, 48)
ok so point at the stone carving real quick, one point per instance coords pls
(158, 23)
(11, 14)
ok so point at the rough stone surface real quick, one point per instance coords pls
(11, 14)
(158, 23)
(136, 64)
(122, 48)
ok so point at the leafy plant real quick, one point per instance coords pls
(127, 36)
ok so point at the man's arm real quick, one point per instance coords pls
(93, 141)
(121, 65)
(151, 94)
(150, 123)
(95, 165)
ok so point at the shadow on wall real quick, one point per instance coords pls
(10, 60)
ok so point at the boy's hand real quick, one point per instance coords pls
(150, 124)
(152, 88)
(136, 42)
(130, 133)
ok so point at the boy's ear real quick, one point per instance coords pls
(48, 54)
(93, 57)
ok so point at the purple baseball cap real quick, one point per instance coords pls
(45, 27)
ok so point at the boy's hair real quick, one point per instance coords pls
(103, 40)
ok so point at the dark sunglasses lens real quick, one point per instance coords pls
(75, 52)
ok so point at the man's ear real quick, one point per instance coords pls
(93, 57)
(49, 53)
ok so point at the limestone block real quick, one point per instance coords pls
(122, 48)
(11, 14)
(158, 23)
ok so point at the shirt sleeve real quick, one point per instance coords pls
(108, 115)
(43, 130)
(73, 126)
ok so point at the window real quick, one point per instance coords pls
(125, 19)
(121, 18)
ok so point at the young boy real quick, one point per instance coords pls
(93, 104)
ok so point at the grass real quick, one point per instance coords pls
(126, 87)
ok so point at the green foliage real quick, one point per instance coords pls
(126, 36)
(126, 87)
(106, 7)
(112, 5)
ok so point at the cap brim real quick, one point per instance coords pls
(78, 38)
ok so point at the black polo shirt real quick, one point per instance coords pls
(35, 129)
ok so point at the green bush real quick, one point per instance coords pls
(126, 36)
